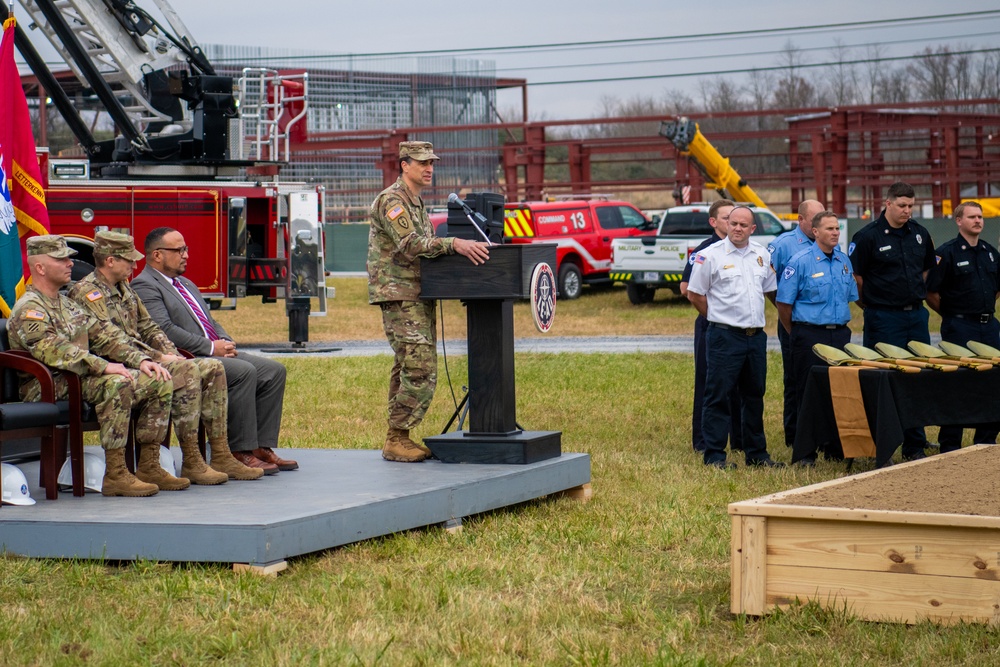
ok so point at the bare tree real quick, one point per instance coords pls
(932, 73)
(760, 88)
(792, 89)
(843, 76)
(873, 76)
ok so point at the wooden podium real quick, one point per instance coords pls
(489, 291)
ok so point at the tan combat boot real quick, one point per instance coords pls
(118, 481)
(399, 447)
(223, 461)
(195, 468)
(150, 471)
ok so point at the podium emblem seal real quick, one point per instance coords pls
(543, 296)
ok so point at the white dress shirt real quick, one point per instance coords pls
(734, 281)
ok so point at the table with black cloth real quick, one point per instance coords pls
(895, 401)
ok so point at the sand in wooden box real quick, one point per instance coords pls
(918, 541)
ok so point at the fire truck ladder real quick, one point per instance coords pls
(266, 100)
(113, 61)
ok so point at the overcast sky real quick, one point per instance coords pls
(367, 28)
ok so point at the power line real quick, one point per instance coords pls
(775, 68)
(634, 41)
(745, 54)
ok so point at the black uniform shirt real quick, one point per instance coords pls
(891, 263)
(966, 277)
(686, 275)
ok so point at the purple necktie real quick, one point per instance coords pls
(198, 312)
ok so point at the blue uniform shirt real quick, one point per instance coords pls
(785, 247)
(819, 288)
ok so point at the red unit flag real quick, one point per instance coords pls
(22, 199)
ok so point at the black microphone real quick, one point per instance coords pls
(469, 213)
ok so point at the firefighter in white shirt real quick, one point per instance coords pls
(729, 282)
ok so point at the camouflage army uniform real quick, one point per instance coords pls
(400, 234)
(67, 338)
(199, 384)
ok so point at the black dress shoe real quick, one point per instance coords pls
(766, 463)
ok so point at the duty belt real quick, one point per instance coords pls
(982, 318)
(818, 326)
(907, 307)
(749, 331)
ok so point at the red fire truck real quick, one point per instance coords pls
(194, 150)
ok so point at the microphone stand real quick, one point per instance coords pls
(468, 214)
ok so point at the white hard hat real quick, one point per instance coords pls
(93, 473)
(167, 461)
(14, 485)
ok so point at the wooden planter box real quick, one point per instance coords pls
(895, 566)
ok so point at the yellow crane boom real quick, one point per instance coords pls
(719, 175)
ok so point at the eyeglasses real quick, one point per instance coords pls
(183, 249)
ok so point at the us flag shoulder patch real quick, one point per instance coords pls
(395, 213)
(95, 295)
(34, 315)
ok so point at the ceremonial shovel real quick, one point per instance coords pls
(902, 353)
(954, 350)
(937, 355)
(983, 350)
(862, 352)
(835, 357)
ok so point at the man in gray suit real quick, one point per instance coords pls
(256, 384)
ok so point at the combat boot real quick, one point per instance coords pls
(118, 481)
(195, 468)
(222, 460)
(399, 447)
(150, 471)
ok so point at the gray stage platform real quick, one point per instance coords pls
(335, 498)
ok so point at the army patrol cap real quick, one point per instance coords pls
(52, 245)
(418, 150)
(116, 244)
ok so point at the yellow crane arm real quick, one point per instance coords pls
(689, 141)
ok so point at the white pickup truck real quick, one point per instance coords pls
(648, 263)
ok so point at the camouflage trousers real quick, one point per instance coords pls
(411, 327)
(114, 398)
(200, 396)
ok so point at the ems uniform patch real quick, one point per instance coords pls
(789, 272)
(760, 261)
(937, 258)
(850, 249)
(94, 296)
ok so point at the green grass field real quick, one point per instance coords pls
(637, 576)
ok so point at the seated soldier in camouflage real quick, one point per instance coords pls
(57, 332)
(199, 384)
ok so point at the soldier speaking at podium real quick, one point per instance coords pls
(400, 235)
